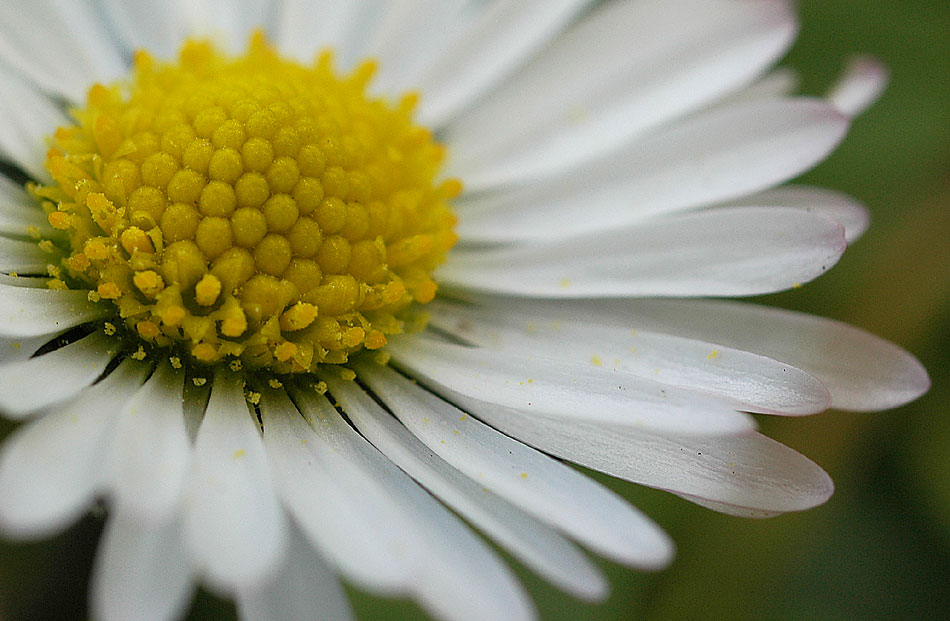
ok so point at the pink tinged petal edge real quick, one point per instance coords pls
(862, 84)
(53, 468)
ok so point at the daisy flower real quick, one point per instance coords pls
(293, 315)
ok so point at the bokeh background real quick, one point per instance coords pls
(880, 548)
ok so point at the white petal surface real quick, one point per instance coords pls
(564, 390)
(24, 257)
(141, 571)
(749, 474)
(861, 371)
(500, 39)
(746, 381)
(74, 51)
(458, 577)
(52, 469)
(863, 82)
(304, 589)
(714, 156)
(852, 215)
(335, 500)
(30, 385)
(537, 484)
(152, 451)
(27, 118)
(592, 90)
(305, 27)
(229, 21)
(728, 251)
(536, 545)
(234, 527)
(27, 311)
(16, 350)
(158, 27)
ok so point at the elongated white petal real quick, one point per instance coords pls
(305, 589)
(158, 27)
(457, 575)
(74, 51)
(52, 469)
(565, 390)
(592, 91)
(861, 371)
(852, 215)
(229, 21)
(338, 505)
(234, 526)
(305, 27)
(405, 45)
(28, 118)
(863, 82)
(537, 484)
(16, 350)
(27, 311)
(30, 385)
(728, 251)
(746, 381)
(780, 83)
(152, 452)
(714, 156)
(141, 571)
(23, 257)
(746, 474)
(502, 37)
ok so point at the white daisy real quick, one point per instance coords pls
(213, 245)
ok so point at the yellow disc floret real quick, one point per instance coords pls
(250, 208)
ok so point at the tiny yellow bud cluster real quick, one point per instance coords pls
(250, 209)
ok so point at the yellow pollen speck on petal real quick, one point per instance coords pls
(254, 398)
(93, 296)
(274, 383)
(596, 361)
(347, 374)
(249, 209)
(524, 475)
(238, 454)
(109, 329)
(713, 355)
(175, 361)
(199, 381)
(139, 354)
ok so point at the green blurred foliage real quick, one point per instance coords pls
(880, 548)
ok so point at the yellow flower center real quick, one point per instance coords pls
(250, 208)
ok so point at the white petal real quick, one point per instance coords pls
(158, 27)
(746, 474)
(152, 451)
(16, 350)
(52, 469)
(24, 257)
(537, 484)
(564, 390)
(30, 385)
(746, 381)
(779, 83)
(718, 155)
(592, 90)
(852, 215)
(533, 543)
(33, 282)
(141, 571)
(336, 502)
(457, 576)
(305, 27)
(305, 589)
(27, 119)
(861, 371)
(27, 311)
(502, 37)
(74, 50)
(862, 84)
(230, 22)
(727, 251)
(234, 527)
(407, 46)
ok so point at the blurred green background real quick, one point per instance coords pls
(880, 548)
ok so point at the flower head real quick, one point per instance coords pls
(231, 307)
